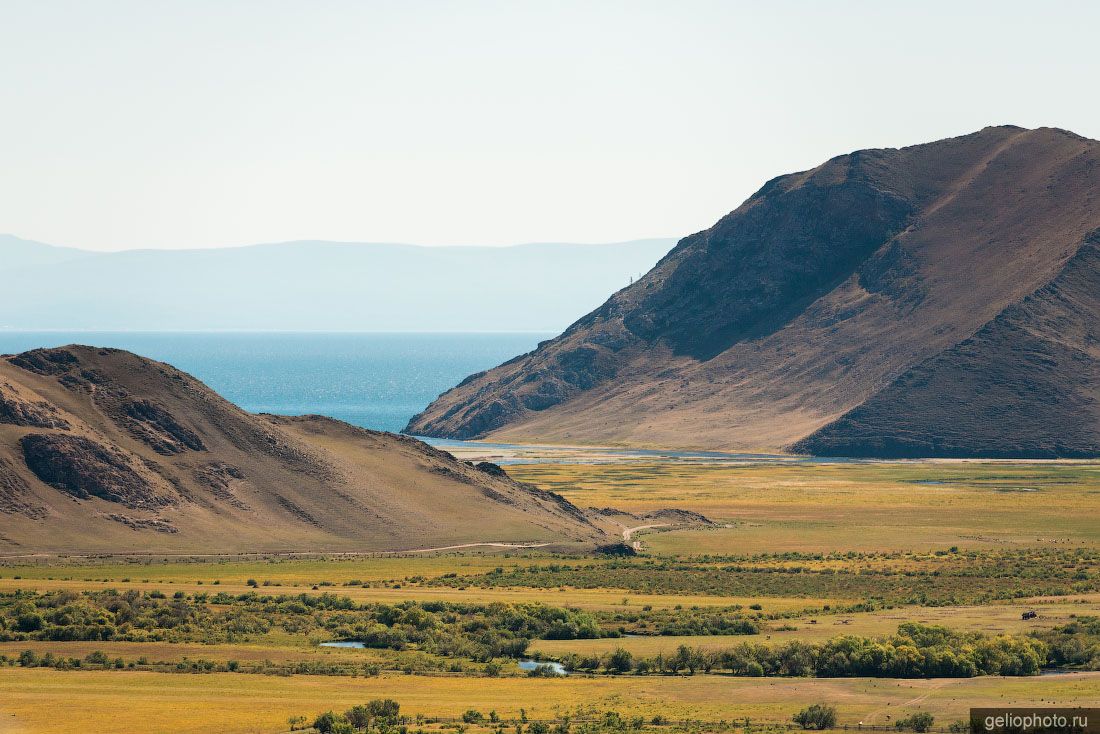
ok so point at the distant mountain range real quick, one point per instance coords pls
(935, 300)
(314, 286)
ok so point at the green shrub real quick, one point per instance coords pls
(919, 722)
(817, 716)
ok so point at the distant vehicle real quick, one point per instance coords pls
(1030, 614)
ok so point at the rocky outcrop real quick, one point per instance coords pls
(155, 524)
(86, 469)
(15, 494)
(155, 426)
(220, 478)
(45, 361)
(16, 411)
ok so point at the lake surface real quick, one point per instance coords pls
(371, 380)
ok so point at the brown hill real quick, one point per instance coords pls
(939, 299)
(104, 451)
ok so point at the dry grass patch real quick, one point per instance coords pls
(821, 507)
(40, 701)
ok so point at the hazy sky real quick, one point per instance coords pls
(193, 123)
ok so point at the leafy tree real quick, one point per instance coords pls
(358, 716)
(30, 622)
(817, 716)
(384, 709)
(326, 723)
(620, 661)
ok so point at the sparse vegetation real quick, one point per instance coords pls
(684, 630)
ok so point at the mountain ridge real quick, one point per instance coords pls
(813, 296)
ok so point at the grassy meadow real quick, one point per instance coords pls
(861, 506)
(192, 704)
(798, 553)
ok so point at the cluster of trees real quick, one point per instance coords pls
(916, 651)
(31, 659)
(98, 660)
(733, 620)
(380, 714)
(383, 716)
(479, 632)
(1076, 644)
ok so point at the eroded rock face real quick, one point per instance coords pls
(87, 469)
(156, 524)
(16, 411)
(46, 361)
(157, 427)
(146, 420)
(220, 478)
(489, 468)
(14, 494)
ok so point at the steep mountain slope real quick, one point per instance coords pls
(315, 286)
(929, 300)
(102, 450)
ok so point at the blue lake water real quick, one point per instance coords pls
(556, 668)
(370, 380)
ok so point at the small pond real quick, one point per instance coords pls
(533, 664)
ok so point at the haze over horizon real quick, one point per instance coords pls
(173, 125)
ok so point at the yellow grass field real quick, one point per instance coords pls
(821, 507)
(51, 702)
(877, 508)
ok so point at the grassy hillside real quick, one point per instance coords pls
(102, 450)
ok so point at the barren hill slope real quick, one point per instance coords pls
(102, 450)
(931, 300)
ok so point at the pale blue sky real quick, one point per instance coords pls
(194, 123)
